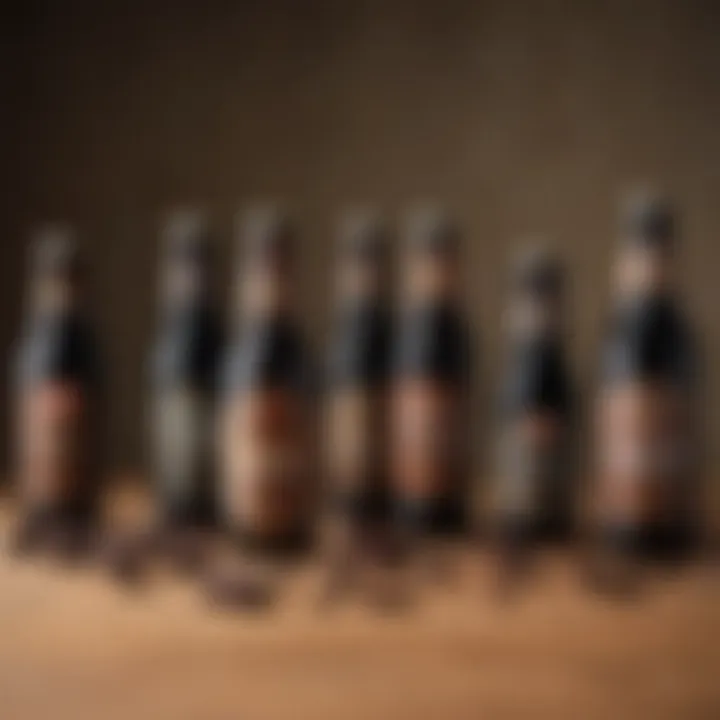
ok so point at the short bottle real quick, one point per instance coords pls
(646, 452)
(58, 388)
(430, 383)
(357, 394)
(534, 496)
(266, 435)
(183, 384)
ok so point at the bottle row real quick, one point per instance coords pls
(233, 437)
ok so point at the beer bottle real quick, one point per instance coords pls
(430, 383)
(58, 403)
(356, 402)
(645, 429)
(266, 437)
(184, 362)
(533, 495)
(358, 368)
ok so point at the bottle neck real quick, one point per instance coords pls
(54, 297)
(184, 288)
(430, 281)
(641, 302)
(263, 295)
(358, 285)
(531, 319)
(642, 272)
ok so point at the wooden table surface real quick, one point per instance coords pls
(73, 645)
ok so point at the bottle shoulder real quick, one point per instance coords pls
(60, 348)
(648, 340)
(359, 348)
(266, 354)
(187, 350)
(433, 341)
(537, 377)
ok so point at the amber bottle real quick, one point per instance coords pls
(183, 383)
(534, 495)
(430, 383)
(59, 414)
(646, 451)
(266, 435)
(355, 436)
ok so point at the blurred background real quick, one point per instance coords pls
(522, 117)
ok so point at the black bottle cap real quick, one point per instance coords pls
(363, 235)
(55, 252)
(430, 229)
(266, 236)
(539, 273)
(186, 234)
(648, 220)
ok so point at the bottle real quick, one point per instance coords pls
(266, 424)
(184, 364)
(430, 384)
(534, 496)
(645, 445)
(358, 366)
(58, 402)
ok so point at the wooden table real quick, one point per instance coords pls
(75, 646)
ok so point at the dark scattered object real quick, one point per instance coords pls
(241, 588)
(61, 539)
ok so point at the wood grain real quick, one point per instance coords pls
(75, 646)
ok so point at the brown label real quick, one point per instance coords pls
(531, 464)
(264, 453)
(53, 452)
(354, 433)
(426, 439)
(644, 452)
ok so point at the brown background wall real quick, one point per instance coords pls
(521, 116)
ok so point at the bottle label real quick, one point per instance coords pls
(644, 452)
(532, 466)
(427, 447)
(181, 442)
(53, 449)
(265, 458)
(353, 439)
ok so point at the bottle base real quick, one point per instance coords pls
(289, 545)
(67, 534)
(443, 518)
(653, 543)
(200, 515)
(368, 507)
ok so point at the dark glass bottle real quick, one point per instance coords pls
(355, 436)
(646, 452)
(534, 498)
(184, 364)
(430, 384)
(266, 430)
(58, 397)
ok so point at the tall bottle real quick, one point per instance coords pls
(355, 437)
(184, 365)
(645, 441)
(534, 495)
(58, 399)
(430, 383)
(266, 429)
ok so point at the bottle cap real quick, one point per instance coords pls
(430, 229)
(186, 234)
(266, 236)
(648, 219)
(363, 235)
(538, 272)
(55, 251)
